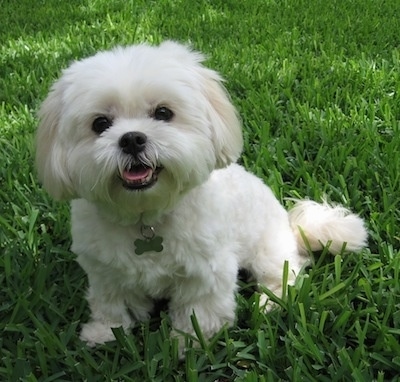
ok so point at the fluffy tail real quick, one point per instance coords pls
(319, 224)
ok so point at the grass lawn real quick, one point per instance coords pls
(317, 86)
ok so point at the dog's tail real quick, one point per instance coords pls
(317, 225)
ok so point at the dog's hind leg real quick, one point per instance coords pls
(267, 266)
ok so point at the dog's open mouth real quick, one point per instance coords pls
(139, 177)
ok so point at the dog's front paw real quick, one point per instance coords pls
(96, 332)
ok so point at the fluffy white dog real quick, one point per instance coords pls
(143, 140)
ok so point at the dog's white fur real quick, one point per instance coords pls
(213, 216)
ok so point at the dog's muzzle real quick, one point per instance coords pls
(136, 175)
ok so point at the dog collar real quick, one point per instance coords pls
(150, 242)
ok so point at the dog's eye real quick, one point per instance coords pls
(162, 113)
(101, 124)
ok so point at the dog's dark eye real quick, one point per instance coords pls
(101, 124)
(162, 113)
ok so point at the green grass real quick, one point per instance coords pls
(317, 86)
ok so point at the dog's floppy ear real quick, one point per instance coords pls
(51, 157)
(225, 123)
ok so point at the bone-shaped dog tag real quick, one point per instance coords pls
(150, 242)
(148, 245)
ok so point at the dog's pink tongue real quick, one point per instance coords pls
(138, 174)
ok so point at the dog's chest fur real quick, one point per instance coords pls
(202, 237)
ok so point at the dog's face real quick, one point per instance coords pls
(135, 128)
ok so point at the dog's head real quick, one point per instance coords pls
(135, 128)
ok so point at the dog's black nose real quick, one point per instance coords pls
(133, 142)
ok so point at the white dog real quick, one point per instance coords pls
(144, 140)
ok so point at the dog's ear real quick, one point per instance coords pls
(51, 156)
(225, 123)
